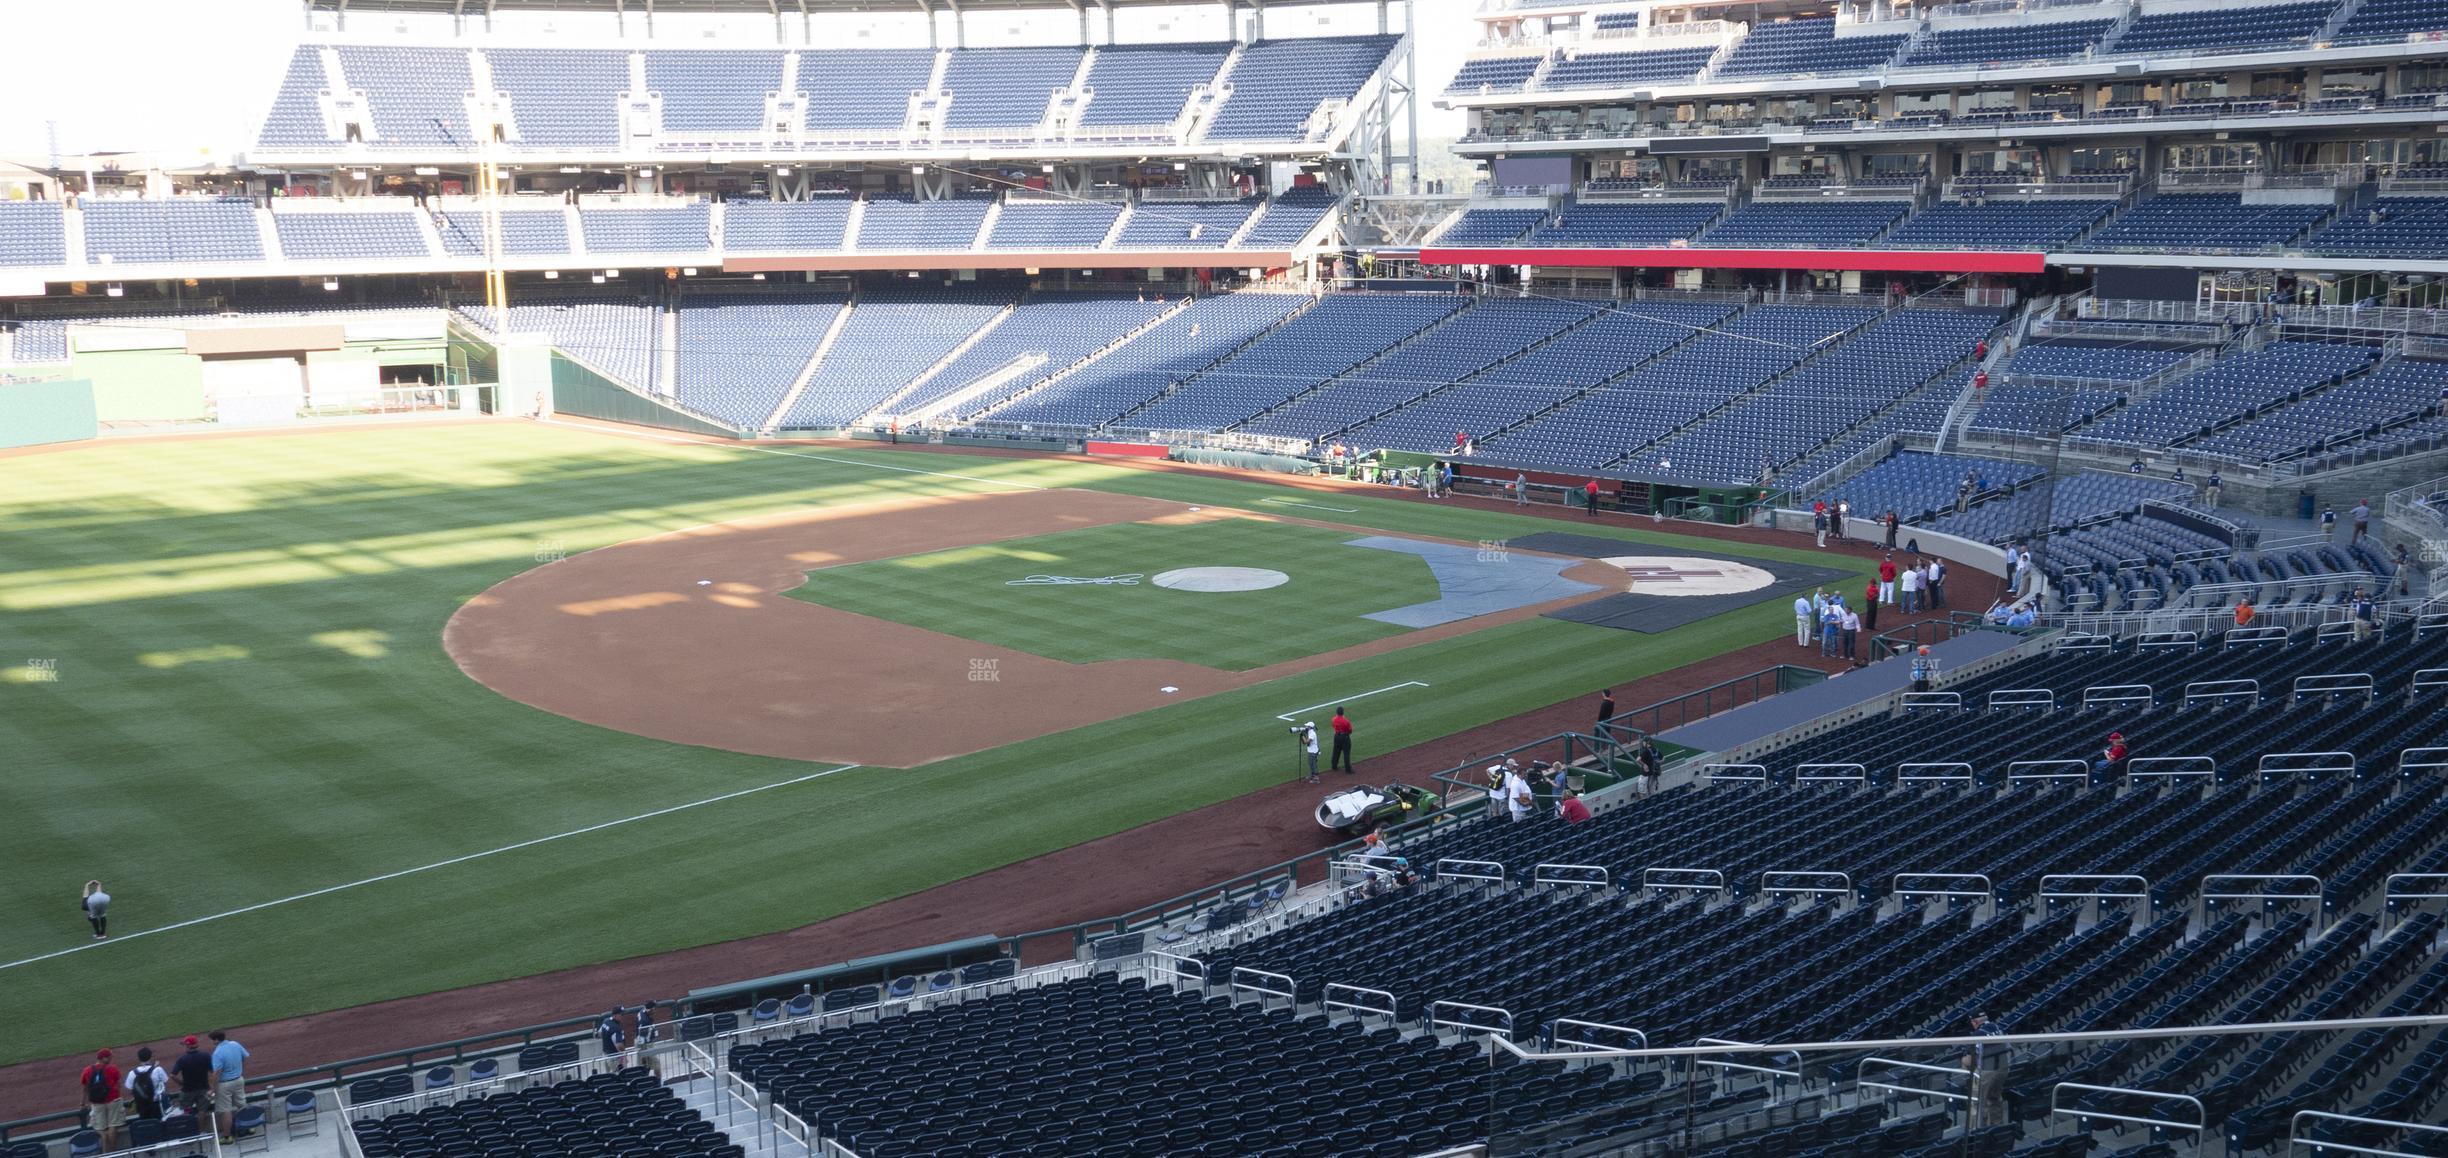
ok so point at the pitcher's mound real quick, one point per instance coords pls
(1654, 575)
(1221, 579)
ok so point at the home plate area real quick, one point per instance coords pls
(1664, 592)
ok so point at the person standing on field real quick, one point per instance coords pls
(96, 906)
(1309, 748)
(1606, 708)
(1589, 492)
(1342, 726)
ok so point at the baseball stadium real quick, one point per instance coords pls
(1217, 578)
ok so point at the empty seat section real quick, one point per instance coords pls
(2385, 20)
(1289, 216)
(295, 120)
(2206, 221)
(1587, 69)
(416, 97)
(739, 354)
(32, 233)
(1044, 336)
(1489, 332)
(1006, 87)
(1494, 74)
(1805, 48)
(524, 232)
(562, 98)
(306, 236)
(1183, 224)
(782, 226)
(1634, 223)
(2388, 227)
(2233, 26)
(893, 223)
(1147, 84)
(2231, 388)
(1491, 226)
(1338, 333)
(2038, 223)
(2400, 391)
(1845, 383)
(862, 89)
(2008, 44)
(678, 229)
(1138, 370)
(617, 336)
(1278, 84)
(188, 229)
(714, 91)
(1054, 224)
(1827, 224)
(891, 338)
(1911, 483)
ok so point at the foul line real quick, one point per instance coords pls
(788, 454)
(390, 876)
(1287, 716)
(1311, 506)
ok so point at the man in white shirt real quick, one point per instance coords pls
(1802, 621)
(1518, 800)
(1910, 595)
(1852, 630)
(1935, 584)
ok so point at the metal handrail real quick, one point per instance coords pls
(1288, 992)
(1895, 887)
(2075, 1036)
(2189, 640)
(2318, 895)
(1326, 999)
(1931, 700)
(1540, 876)
(1504, 1031)
(1727, 1065)
(2023, 698)
(2082, 770)
(2083, 641)
(2389, 896)
(2432, 758)
(1906, 772)
(2141, 766)
(1649, 881)
(1175, 963)
(2334, 682)
(2429, 677)
(1862, 1083)
(1442, 873)
(2244, 636)
(2049, 893)
(1802, 774)
(2295, 1134)
(2201, 1118)
(2235, 689)
(1712, 773)
(1844, 882)
(2325, 762)
(2100, 694)
(1555, 1037)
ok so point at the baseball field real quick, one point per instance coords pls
(348, 715)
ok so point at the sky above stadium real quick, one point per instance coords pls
(188, 77)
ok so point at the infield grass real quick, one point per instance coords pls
(222, 685)
(968, 592)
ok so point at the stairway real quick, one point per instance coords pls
(884, 409)
(1363, 368)
(1186, 379)
(1169, 312)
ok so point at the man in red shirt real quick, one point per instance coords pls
(2113, 756)
(1572, 810)
(1342, 743)
(1591, 490)
(98, 1087)
(1870, 606)
(1886, 583)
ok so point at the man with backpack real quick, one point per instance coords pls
(104, 1112)
(148, 1087)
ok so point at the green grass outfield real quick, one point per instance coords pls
(964, 592)
(245, 700)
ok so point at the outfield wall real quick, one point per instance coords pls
(578, 389)
(38, 413)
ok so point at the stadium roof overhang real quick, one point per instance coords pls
(1864, 260)
(463, 8)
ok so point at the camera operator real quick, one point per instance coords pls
(1307, 735)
